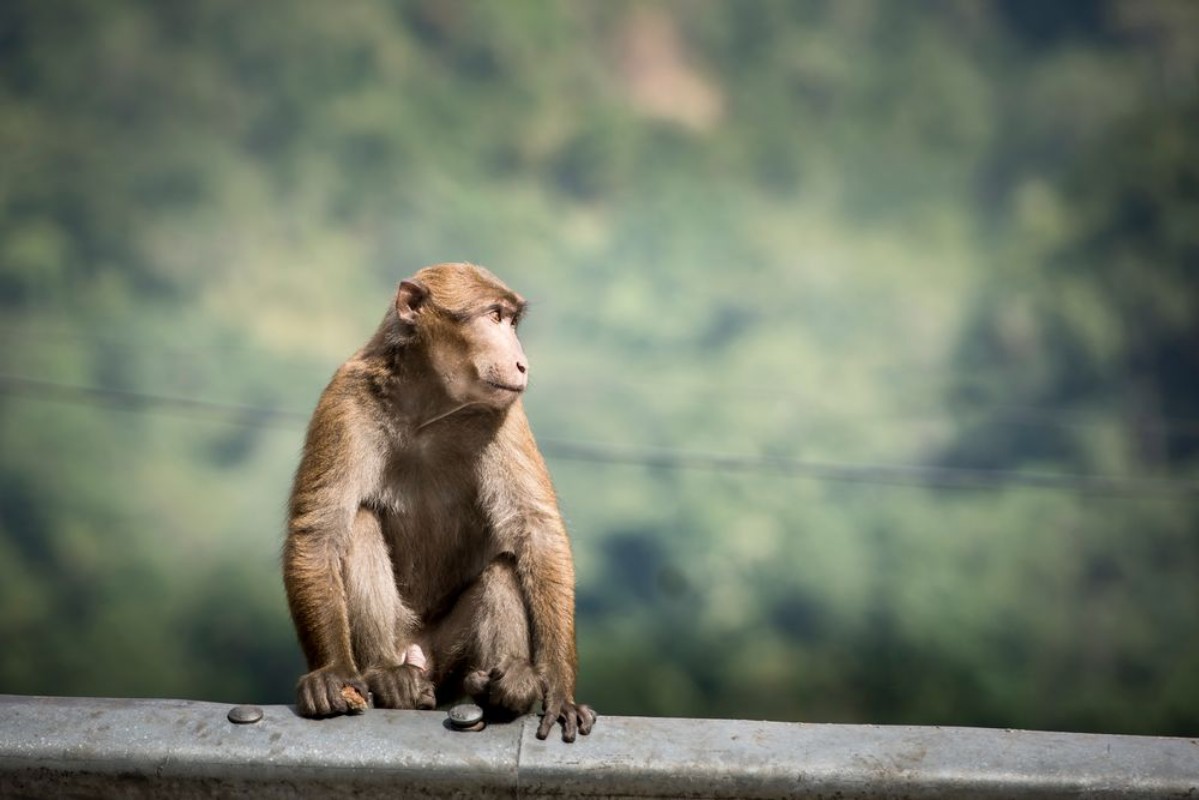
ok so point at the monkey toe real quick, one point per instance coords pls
(404, 686)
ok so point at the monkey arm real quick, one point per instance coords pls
(316, 595)
(547, 580)
(527, 522)
(531, 526)
(329, 485)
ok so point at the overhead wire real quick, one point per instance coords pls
(124, 400)
(914, 475)
(1003, 414)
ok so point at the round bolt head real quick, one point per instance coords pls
(465, 715)
(242, 715)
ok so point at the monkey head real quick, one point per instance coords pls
(464, 320)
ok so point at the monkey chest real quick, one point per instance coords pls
(438, 538)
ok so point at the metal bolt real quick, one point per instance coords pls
(242, 715)
(466, 717)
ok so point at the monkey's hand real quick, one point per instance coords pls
(328, 691)
(403, 686)
(575, 717)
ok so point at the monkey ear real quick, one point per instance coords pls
(409, 298)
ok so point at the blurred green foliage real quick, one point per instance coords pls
(943, 234)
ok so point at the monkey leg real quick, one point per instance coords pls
(380, 622)
(485, 639)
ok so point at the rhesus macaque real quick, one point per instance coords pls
(426, 556)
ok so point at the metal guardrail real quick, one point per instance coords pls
(84, 747)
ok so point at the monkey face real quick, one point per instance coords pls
(464, 319)
(482, 361)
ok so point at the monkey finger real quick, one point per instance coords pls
(548, 718)
(319, 700)
(570, 725)
(587, 717)
(305, 703)
(332, 698)
(313, 700)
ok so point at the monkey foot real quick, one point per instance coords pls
(403, 686)
(506, 691)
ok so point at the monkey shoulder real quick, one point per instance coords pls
(346, 441)
(359, 401)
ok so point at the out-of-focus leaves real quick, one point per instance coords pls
(846, 232)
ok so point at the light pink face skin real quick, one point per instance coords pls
(498, 358)
(497, 369)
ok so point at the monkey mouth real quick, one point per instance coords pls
(505, 387)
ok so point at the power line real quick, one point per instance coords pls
(915, 475)
(992, 415)
(137, 402)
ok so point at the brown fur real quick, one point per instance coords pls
(423, 516)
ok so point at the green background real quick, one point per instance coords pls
(822, 237)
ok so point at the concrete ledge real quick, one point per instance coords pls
(173, 748)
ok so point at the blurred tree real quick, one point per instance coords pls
(950, 233)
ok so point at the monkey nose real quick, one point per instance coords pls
(522, 367)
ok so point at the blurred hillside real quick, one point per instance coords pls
(873, 250)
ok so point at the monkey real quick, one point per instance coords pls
(426, 557)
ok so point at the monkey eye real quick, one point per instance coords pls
(496, 313)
